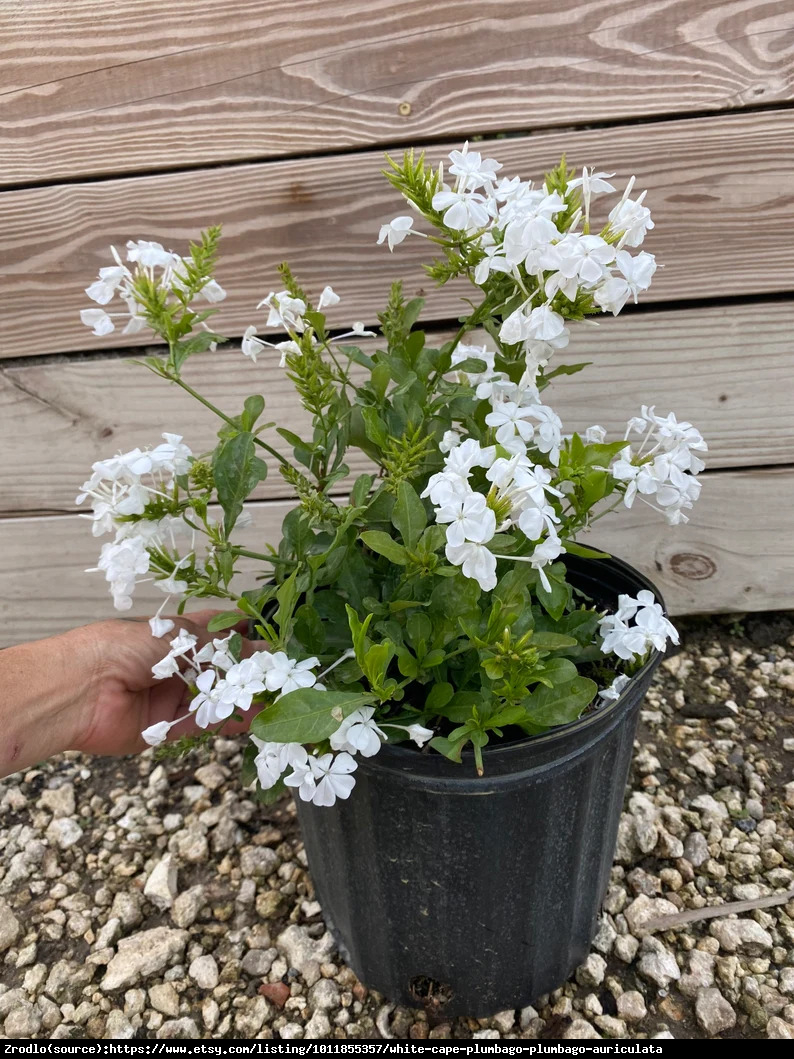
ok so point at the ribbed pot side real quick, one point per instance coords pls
(468, 896)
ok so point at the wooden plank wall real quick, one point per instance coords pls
(271, 116)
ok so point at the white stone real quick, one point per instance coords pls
(64, 832)
(631, 1006)
(204, 972)
(713, 1012)
(161, 886)
(118, 1027)
(305, 953)
(142, 955)
(779, 1030)
(592, 971)
(581, 1030)
(9, 926)
(741, 935)
(643, 909)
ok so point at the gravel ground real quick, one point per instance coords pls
(155, 901)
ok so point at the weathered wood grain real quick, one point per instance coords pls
(95, 88)
(722, 561)
(719, 187)
(728, 370)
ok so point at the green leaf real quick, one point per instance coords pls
(552, 641)
(253, 408)
(572, 548)
(409, 515)
(472, 366)
(225, 620)
(554, 599)
(237, 470)
(374, 427)
(449, 749)
(307, 715)
(557, 671)
(560, 704)
(357, 356)
(440, 694)
(360, 490)
(287, 597)
(383, 544)
(566, 369)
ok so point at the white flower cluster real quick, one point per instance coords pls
(518, 489)
(226, 685)
(118, 280)
(632, 629)
(665, 466)
(514, 225)
(121, 487)
(286, 312)
(324, 778)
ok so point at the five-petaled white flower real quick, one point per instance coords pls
(358, 733)
(286, 674)
(395, 231)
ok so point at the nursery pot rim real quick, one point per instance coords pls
(398, 755)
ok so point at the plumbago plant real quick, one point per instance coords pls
(429, 601)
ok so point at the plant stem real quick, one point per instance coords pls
(260, 555)
(227, 419)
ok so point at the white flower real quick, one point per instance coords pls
(102, 290)
(99, 320)
(592, 182)
(546, 552)
(243, 681)
(150, 255)
(288, 674)
(594, 435)
(156, 734)
(472, 169)
(218, 699)
(449, 441)
(251, 346)
(332, 777)
(445, 488)
(395, 231)
(216, 652)
(160, 626)
(165, 668)
(327, 298)
(510, 421)
(470, 520)
(650, 629)
(213, 292)
(322, 780)
(285, 311)
(417, 732)
(358, 733)
(122, 562)
(476, 562)
(273, 759)
(631, 218)
(615, 689)
(534, 520)
(637, 273)
(469, 454)
(463, 210)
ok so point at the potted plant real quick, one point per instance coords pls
(451, 679)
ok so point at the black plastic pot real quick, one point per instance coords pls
(470, 896)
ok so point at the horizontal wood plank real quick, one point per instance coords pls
(719, 188)
(724, 560)
(95, 88)
(727, 370)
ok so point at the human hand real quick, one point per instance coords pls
(92, 689)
